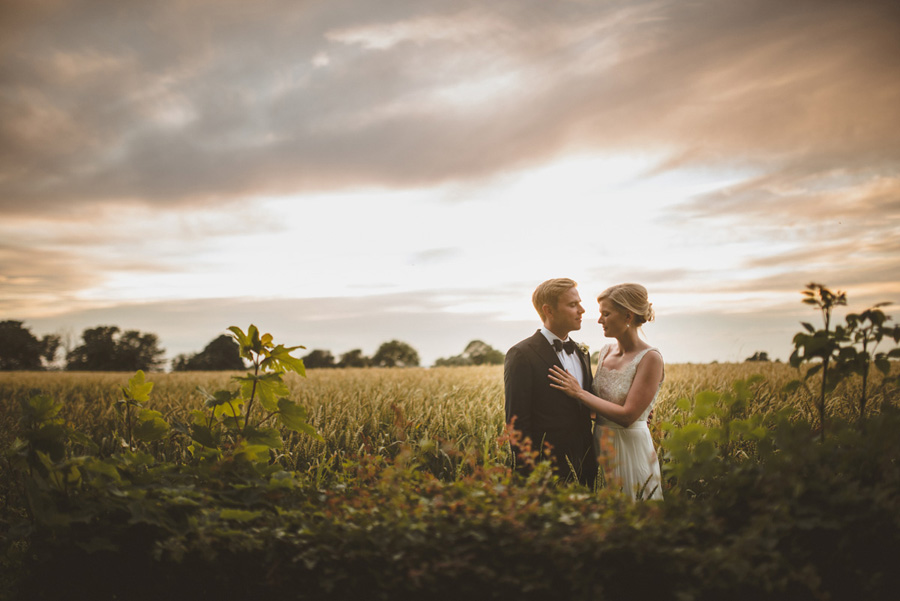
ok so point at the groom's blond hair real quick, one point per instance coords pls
(548, 293)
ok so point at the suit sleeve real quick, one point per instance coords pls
(517, 383)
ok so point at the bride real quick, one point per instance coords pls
(625, 388)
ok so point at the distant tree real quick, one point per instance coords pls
(395, 354)
(222, 354)
(354, 358)
(319, 358)
(476, 353)
(98, 352)
(481, 353)
(20, 349)
(103, 350)
(454, 361)
(758, 356)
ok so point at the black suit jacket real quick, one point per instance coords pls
(545, 414)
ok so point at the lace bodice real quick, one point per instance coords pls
(614, 384)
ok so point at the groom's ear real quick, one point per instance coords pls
(548, 309)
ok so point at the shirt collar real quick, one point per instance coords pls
(550, 336)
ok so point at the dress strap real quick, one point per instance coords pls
(639, 356)
(604, 352)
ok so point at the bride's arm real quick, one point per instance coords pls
(646, 382)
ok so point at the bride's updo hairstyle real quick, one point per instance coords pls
(630, 298)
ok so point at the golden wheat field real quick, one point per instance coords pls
(375, 409)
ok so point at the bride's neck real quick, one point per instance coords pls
(629, 342)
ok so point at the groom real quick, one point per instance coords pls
(542, 413)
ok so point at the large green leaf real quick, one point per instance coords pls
(705, 404)
(204, 436)
(50, 438)
(154, 428)
(40, 408)
(792, 386)
(252, 452)
(268, 387)
(198, 417)
(218, 397)
(99, 466)
(230, 408)
(293, 417)
(280, 359)
(248, 343)
(138, 389)
(268, 437)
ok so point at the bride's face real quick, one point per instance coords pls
(613, 319)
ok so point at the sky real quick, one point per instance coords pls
(342, 173)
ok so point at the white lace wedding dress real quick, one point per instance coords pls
(627, 451)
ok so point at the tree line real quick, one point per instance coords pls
(104, 348)
(107, 348)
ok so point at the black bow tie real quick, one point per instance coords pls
(568, 346)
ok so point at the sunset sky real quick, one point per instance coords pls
(346, 172)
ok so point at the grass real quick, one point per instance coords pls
(375, 409)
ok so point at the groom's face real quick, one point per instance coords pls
(566, 316)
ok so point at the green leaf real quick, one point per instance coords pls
(204, 436)
(40, 408)
(294, 417)
(105, 468)
(240, 515)
(269, 386)
(138, 389)
(282, 479)
(148, 414)
(231, 408)
(813, 371)
(151, 429)
(280, 359)
(808, 326)
(219, 397)
(198, 418)
(248, 343)
(50, 438)
(267, 437)
(232, 422)
(792, 386)
(692, 433)
(252, 452)
(705, 404)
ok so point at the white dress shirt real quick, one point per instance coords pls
(571, 363)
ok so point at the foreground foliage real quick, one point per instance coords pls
(393, 485)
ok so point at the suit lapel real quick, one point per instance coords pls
(543, 349)
(586, 366)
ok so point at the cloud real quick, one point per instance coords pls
(191, 102)
(187, 148)
(436, 255)
(39, 279)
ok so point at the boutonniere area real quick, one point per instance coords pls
(584, 348)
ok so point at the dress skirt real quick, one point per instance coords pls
(628, 459)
